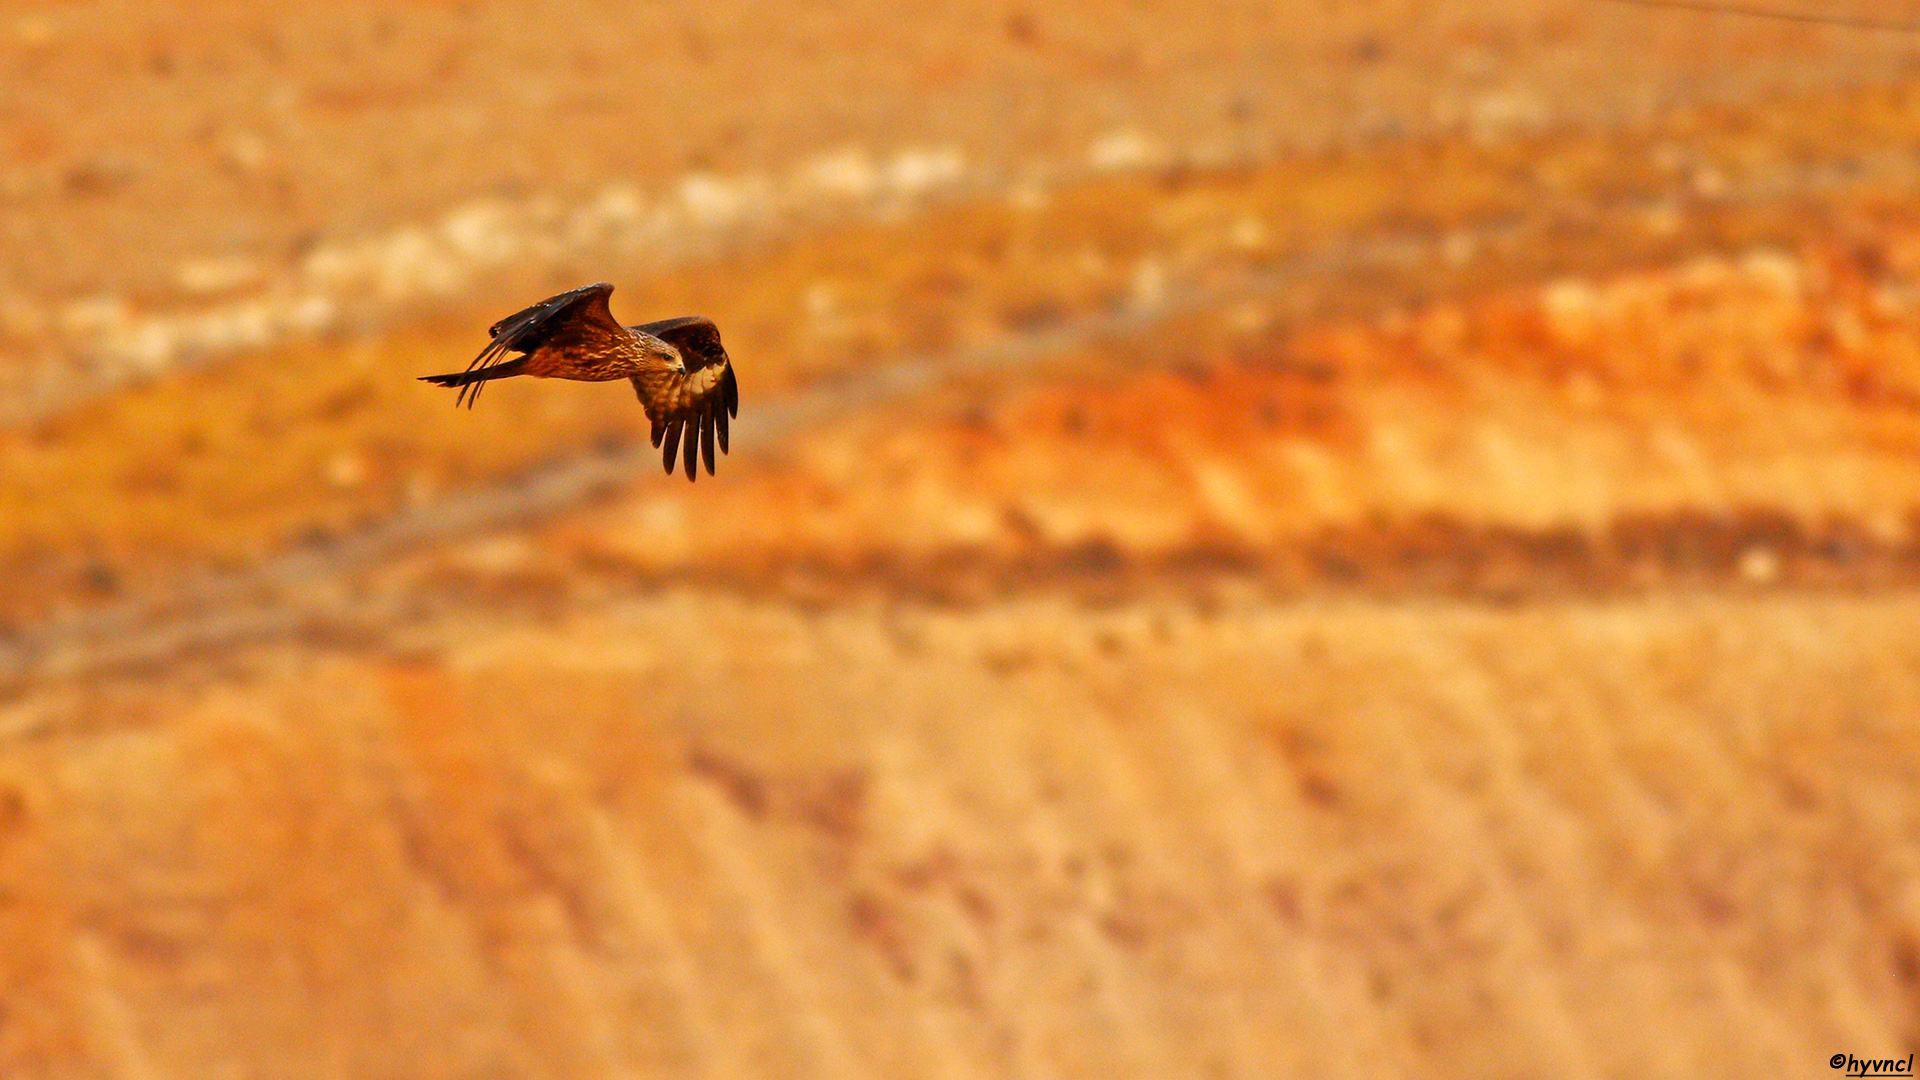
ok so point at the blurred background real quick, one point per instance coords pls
(1301, 538)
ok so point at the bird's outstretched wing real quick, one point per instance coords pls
(576, 320)
(693, 398)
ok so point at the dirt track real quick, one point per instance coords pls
(1376, 542)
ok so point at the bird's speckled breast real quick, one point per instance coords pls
(586, 363)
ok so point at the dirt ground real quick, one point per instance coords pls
(1261, 540)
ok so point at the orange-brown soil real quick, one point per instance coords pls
(1289, 542)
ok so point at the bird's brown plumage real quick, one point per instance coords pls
(679, 370)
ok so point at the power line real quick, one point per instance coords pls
(1855, 22)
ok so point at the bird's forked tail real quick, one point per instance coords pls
(470, 381)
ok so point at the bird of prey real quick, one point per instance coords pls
(678, 368)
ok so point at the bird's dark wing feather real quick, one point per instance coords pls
(694, 401)
(575, 317)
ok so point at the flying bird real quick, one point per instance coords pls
(678, 368)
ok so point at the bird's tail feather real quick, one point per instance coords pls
(471, 380)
